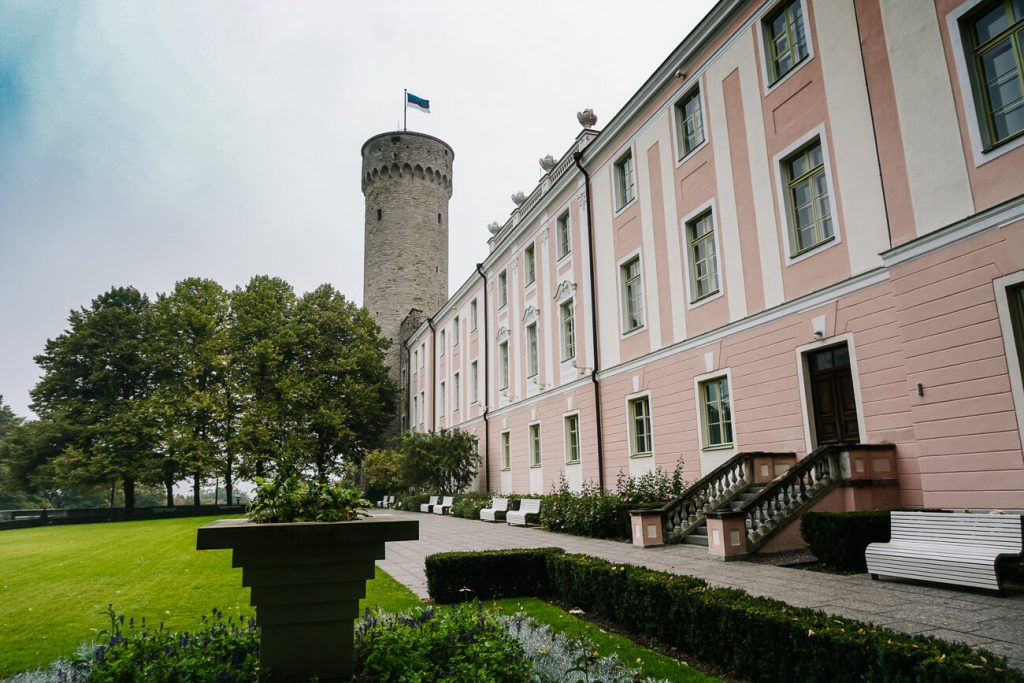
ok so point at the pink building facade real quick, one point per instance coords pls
(806, 227)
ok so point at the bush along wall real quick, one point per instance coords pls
(839, 539)
(469, 505)
(757, 638)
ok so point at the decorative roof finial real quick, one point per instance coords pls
(493, 227)
(519, 198)
(587, 118)
(548, 163)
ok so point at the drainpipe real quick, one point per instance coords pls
(487, 407)
(433, 376)
(577, 158)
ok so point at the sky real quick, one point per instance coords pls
(143, 143)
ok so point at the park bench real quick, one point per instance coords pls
(429, 506)
(444, 507)
(527, 506)
(499, 506)
(954, 548)
(386, 502)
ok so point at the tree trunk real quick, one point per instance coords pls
(113, 488)
(195, 489)
(129, 497)
(228, 483)
(169, 485)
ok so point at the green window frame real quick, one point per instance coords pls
(572, 439)
(700, 238)
(531, 350)
(807, 198)
(567, 313)
(535, 445)
(503, 365)
(625, 182)
(564, 245)
(632, 296)
(689, 122)
(640, 441)
(503, 289)
(530, 264)
(506, 450)
(994, 33)
(785, 38)
(716, 412)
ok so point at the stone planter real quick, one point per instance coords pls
(306, 580)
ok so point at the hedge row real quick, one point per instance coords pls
(756, 638)
(839, 539)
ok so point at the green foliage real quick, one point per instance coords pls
(412, 501)
(383, 471)
(469, 505)
(286, 498)
(753, 637)
(460, 576)
(839, 539)
(656, 486)
(461, 643)
(588, 512)
(221, 650)
(442, 462)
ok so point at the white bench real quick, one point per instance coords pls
(444, 507)
(527, 506)
(498, 505)
(427, 507)
(945, 547)
(386, 502)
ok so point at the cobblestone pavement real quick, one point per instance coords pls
(973, 617)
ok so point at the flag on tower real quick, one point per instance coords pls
(417, 103)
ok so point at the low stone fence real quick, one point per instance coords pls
(20, 519)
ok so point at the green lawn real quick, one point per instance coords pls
(55, 581)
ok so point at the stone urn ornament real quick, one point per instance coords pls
(493, 227)
(519, 198)
(587, 118)
(548, 163)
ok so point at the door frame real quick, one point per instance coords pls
(803, 377)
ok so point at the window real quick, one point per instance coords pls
(415, 359)
(689, 122)
(456, 392)
(715, 412)
(415, 410)
(700, 236)
(441, 402)
(564, 246)
(455, 331)
(567, 314)
(474, 376)
(503, 365)
(632, 295)
(442, 344)
(1015, 297)
(502, 289)
(535, 445)
(530, 258)
(423, 354)
(995, 34)
(423, 407)
(785, 40)
(506, 451)
(572, 438)
(472, 315)
(625, 186)
(640, 426)
(531, 350)
(810, 213)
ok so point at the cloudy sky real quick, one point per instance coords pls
(141, 143)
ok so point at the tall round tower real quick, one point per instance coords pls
(407, 182)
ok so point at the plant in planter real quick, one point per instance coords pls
(306, 556)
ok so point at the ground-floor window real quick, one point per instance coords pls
(716, 412)
(640, 426)
(572, 438)
(535, 445)
(506, 451)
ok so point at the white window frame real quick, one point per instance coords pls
(474, 381)
(631, 427)
(472, 315)
(710, 205)
(532, 351)
(677, 121)
(536, 456)
(503, 289)
(505, 441)
(441, 401)
(569, 303)
(456, 391)
(782, 195)
(766, 74)
(503, 366)
(442, 343)
(415, 410)
(423, 355)
(566, 442)
(698, 394)
(956, 39)
(415, 360)
(455, 331)
(560, 254)
(623, 304)
(616, 165)
(530, 265)
(423, 407)
(1016, 372)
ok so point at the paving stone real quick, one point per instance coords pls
(957, 636)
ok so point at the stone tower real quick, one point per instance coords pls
(407, 182)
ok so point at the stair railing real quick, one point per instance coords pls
(683, 515)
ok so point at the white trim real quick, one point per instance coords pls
(624, 333)
(1001, 284)
(805, 388)
(799, 305)
(709, 206)
(984, 221)
(768, 85)
(967, 95)
(782, 189)
(630, 436)
(525, 403)
(728, 449)
(695, 81)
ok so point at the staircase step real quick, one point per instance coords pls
(696, 539)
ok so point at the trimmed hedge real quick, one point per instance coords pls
(456, 577)
(839, 539)
(757, 638)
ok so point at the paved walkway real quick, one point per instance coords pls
(975, 618)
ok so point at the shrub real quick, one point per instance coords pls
(285, 499)
(754, 637)
(590, 512)
(839, 539)
(656, 486)
(411, 501)
(429, 644)
(469, 505)
(461, 576)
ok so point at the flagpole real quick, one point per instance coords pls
(405, 109)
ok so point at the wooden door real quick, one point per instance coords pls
(833, 404)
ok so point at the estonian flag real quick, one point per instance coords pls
(417, 103)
